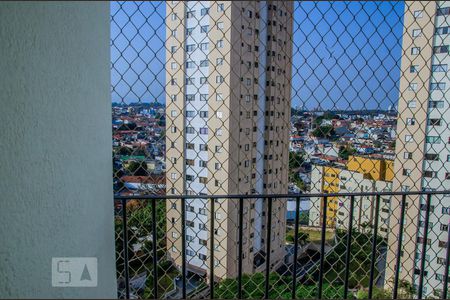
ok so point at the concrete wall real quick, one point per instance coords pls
(55, 162)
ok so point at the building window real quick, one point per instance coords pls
(418, 14)
(219, 79)
(190, 130)
(407, 155)
(203, 81)
(437, 86)
(436, 104)
(189, 81)
(415, 50)
(173, 98)
(219, 61)
(430, 174)
(416, 33)
(204, 29)
(434, 122)
(202, 256)
(439, 68)
(412, 104)
(190, 48)
(442, 30)
(220, 7)
(219, 97)
(410, 121)
(220, 25)
(190, 14)
(440, 49)
(174, 33)
(190, 252)
(412, 86)
(204, 63)
(203, 97)
(432, 156)
(408, 138)
(204, 11)
(219, 115)
(173, 113)
(173, 49)
(204, 130)
(190, 65)
(190, 113)
(433, 139)
(190, 97)
(220, 44)
(414, 69)
(443, 11)
(189, 31)
(204, 46)
(203, 114)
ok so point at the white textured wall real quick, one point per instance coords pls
(55, 145)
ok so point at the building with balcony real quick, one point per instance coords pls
(360, 175)
(422, 149)
(228, 98)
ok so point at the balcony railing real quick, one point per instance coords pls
(339, 263)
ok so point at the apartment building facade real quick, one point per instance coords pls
(422, 149)
(360, 175)
(228, 108)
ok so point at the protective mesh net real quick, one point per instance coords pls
(272, 97)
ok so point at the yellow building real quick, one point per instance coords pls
(360, 174)
(372, 168)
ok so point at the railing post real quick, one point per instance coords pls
(374, 246)
(399, 247)
(447, 258)
(211, 250)
(424, 246)
(349, 243)
(268, 240)
(294, 271)
(125, 248)
(322, 247)
(240, 224)
(155, 252)
(183, 246)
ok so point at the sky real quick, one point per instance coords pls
(346, 55)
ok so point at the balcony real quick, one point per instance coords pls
(326, 261)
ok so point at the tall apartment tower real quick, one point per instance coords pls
(228, 108)
(422, 148)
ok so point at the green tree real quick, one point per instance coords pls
(346, 151)
(138, 168)
(295, 160)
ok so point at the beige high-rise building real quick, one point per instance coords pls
(422, 148)
(228, 83)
